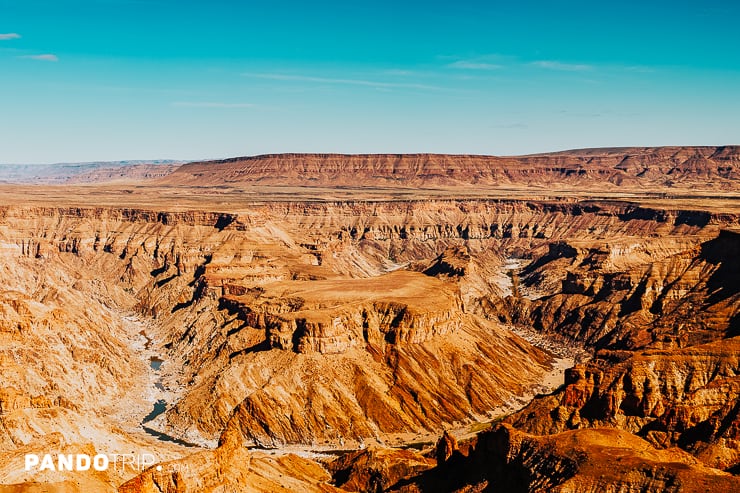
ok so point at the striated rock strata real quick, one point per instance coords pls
(635, 167)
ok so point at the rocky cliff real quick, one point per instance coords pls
(622, 167)
(663, 318)
(631, 293)
(585, 461)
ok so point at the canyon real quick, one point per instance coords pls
(556, 322)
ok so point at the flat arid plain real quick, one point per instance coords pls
(564, 322)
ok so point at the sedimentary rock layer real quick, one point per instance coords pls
(621, 167)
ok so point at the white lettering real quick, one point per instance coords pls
(80, 460)
(47, 463)
(100, 462)
(65, 462)
(31, 460)
(83, 462)
(147, 460)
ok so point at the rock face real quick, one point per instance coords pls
(410, 389)
(635, 293)
(616, 167)
(685, 397)
(582, 461)
(230, 467)
(377, 469)
(333, 316)
(666, 367)
(507, 460)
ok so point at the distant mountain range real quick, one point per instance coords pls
(89, 172)
(638, 167)
(627, 167)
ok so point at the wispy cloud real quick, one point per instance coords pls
(352, 82)
(46, 57)
(9, 36)
(210, 104)
(566, 67)
(474, 65)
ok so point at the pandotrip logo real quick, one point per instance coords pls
(84, 462)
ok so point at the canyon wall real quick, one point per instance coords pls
(340, 324)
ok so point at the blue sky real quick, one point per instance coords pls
(84, 80)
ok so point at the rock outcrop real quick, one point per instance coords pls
(682, 397)
(633, 293)
(230, 467)
(582, 461)
(662, 318)
(377, 469)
